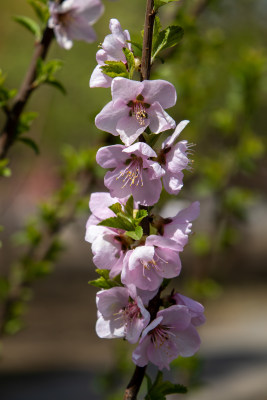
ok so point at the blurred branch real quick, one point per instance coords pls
(8, 135)
(43, 244)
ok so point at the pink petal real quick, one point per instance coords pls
(159, 91)
(98, 79)
(125, 89)
(109, 116)
(129, 128)
(111, 156)
(159, 120)
(171, 139)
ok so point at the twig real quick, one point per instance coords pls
(8, 134)
(139, 372)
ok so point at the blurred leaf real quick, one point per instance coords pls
(4, 170)
(45, 73)
(31, 143)
(159, 389)
(4, 288)
(114, 69)
(201, 244)
(160, 3)
(25, 122)
(57, 84)
(236, 201)
(29, 24)
(41, 9)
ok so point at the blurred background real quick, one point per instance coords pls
(49, 349)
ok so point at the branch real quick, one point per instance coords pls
(8, 135)
(139, 372)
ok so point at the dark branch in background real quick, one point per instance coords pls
(8, 135)
(139, 372)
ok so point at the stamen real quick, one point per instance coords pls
(138, 109)
(132, 174)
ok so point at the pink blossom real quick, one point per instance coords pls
(196, 309)
(169, 335)
(173, 159)
(72, 20)
(134, 173)
(179, 227)
(109, 245)
(111, 51)
(135, 106)
(147, 265)
(120, 315)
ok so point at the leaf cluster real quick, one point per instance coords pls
(115, 69)
(104, 282)
(128, 219)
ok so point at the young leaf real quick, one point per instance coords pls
(140, 215)
(136, 234)
(130, 61)
(104, 282)
(57, 84)
(160, 388)
(29, 24)
(160, 3)
(119, 222)
(138, 48)
(41, 10)
(31, 143)
(25, 122)
(169, 37)
(116, 208)
(128, 209)
(4, 169)
(114, 69)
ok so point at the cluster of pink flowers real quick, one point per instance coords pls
(138, 265)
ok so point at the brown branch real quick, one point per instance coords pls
(8, 134)
(147, 40)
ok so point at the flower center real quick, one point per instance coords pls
(138, 109)
(160, 334)
(65, 18)
(153, 264)
(128, 314)
(132, 174)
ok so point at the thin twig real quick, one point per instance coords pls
(8, 135)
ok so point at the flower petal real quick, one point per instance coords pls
(160, 91)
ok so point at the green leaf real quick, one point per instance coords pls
(31, 143)
(41, 9)
(45, 73)
(104, 282)
(29, 24)
(136, 234)
(160, 3)
(140, 215)
(128, 209)
(130, 61)
(160, 388)
(114, 69)
(4, 170)
(116, 208)
(25, 122)
(57, 84)
(169, 37)
(138, 48)
(119, 222)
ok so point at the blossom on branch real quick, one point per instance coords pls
(120, 314)
(147, 265)
(169, 335)
(111, 50)
(134, 173)
(173, 159)
(72, 20)
(109, 245)
(136, 106)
